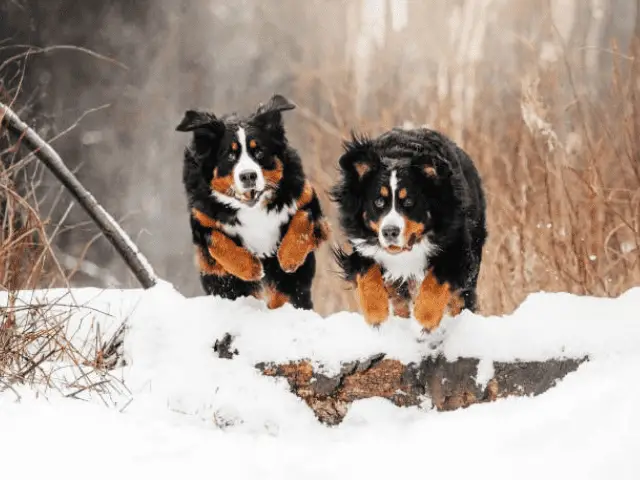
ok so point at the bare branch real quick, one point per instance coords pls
(123, 244)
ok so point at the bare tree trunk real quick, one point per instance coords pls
(128, 250)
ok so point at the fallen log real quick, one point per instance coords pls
(446, 385)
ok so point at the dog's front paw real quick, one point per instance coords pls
(372, 296)
(426, 316)
(252, 272)
(431, 302)
(292, 253)
(298, 242)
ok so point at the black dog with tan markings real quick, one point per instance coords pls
(255, 219)
(412, 206)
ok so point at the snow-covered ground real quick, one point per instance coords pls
(178, 409)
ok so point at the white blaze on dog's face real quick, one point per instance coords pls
(391, 233)
(247, 170)
(394, 212)
(397, 220)
(244, 154)
(247, 174)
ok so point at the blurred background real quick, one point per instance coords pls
(543, 94)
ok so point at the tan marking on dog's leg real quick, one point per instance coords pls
(236, 260)
(431, 301)
(306, 196)
(204, 219)
(372, 296)
(297, 243)
(207, 265)
(275, 298)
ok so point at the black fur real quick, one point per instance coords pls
(448, 202)
(209, 149)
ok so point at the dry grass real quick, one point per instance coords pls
(38, 349)
(559, 163)
(36, 346)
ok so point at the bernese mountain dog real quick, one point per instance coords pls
(255, 219)
(412, 206)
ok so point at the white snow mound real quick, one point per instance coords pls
(185, 405)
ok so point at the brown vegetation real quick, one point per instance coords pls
(560, 163)
(34, 335)
(548, 113)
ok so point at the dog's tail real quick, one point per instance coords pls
(343, 260)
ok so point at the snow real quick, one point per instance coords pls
(184, 411)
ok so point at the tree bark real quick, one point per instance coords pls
(127, 249)
(446, 385)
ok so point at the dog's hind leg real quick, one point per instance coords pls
(293, 288)
(229, 287)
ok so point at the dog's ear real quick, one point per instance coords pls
(360, 158)
(206, 128)
(270, 114)
(275, 105)
(194, 120)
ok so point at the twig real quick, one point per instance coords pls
(87, 387)
(36, 50)
(123, 244)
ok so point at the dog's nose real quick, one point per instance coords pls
(248, 178)
(391, 233)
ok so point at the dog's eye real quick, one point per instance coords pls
(379, 203)
(253, 144)
(408, 203)
(234, 146)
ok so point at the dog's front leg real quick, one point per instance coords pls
(431, 301)
(297, 243)
(372, 295)
(306, 231)
(236, 260)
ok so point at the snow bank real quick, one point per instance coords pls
(588, 427)
(188, 411)
(171, 363)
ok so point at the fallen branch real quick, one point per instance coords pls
(434, 380)
(123, 244)
(447, 385)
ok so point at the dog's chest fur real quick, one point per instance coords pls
(401, 266)
(258, 228)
